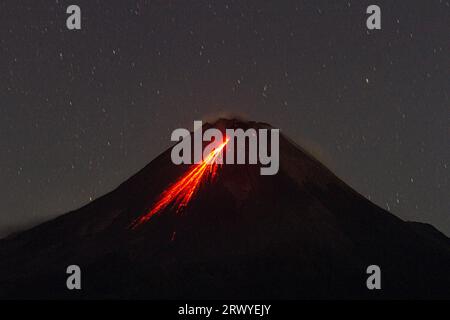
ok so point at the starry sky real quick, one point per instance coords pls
(82, 111)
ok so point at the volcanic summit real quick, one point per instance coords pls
(300, 234)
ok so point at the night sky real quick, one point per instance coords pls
(82, 111)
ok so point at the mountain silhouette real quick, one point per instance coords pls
(300, 234)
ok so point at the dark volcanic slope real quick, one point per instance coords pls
(302, 233)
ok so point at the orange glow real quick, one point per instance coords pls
(180, 193)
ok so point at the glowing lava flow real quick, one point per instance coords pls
(181, 192)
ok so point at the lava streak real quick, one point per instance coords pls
(180, 193)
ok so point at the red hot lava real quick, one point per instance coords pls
(180, 193)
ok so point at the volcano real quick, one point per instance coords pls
(300, 234)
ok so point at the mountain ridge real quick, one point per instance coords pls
(302, 233)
